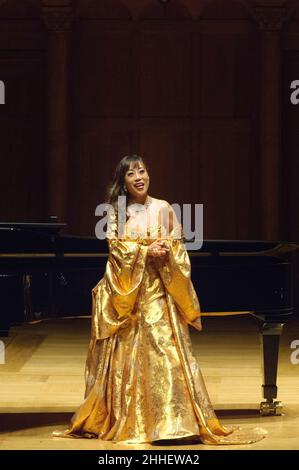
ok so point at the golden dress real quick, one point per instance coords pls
(143, 383)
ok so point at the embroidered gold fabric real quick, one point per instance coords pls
(143, 383)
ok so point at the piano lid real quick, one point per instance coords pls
(48, 227)
(244, 248)
(18, 237)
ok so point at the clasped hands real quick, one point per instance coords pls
(158, 249)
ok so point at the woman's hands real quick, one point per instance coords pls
(158, 249)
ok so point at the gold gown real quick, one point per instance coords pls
(143, 383)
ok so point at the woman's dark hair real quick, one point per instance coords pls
(115, 189)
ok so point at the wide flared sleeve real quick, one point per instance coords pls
(114, 297)
(175, 272)
(124, 273)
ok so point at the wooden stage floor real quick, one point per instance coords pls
(42, 383)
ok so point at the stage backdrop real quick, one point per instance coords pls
(200, 88)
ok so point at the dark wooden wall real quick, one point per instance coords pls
(22, 118)
(199, 87)
(290, 143)
(179, 91)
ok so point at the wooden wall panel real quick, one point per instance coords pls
(225, 175)
(165, 72)
(218, 70)
(22, 132)
(290, 167)
(246, 77)
(97, 152)
(228, 83)
(103, 9)
(290, 163)
(169, 156)
(22, 136)
(104, 72)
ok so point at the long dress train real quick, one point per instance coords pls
(143, 383)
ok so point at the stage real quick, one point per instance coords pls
(42, 383)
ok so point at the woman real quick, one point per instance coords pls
(143, 383)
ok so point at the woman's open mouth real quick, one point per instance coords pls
(139, 186)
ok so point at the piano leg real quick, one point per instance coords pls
(12, 302)
(270, 336)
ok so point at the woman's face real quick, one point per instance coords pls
(137, 181)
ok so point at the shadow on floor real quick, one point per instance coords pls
(17, 421)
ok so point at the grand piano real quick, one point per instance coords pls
(46, 274)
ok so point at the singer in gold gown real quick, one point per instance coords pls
(143, 383)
